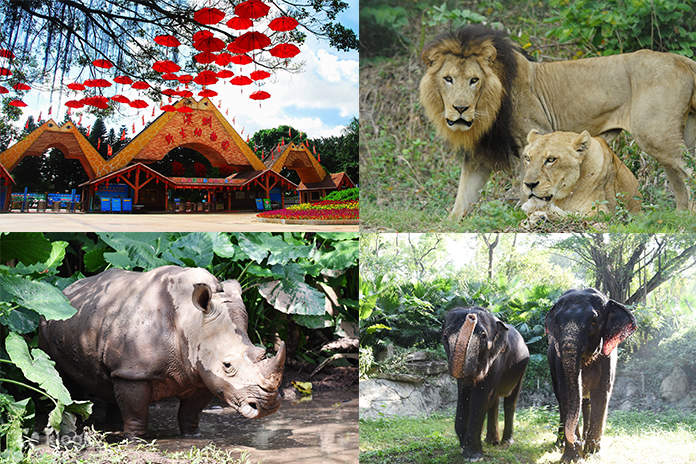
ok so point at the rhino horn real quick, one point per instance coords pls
(272, 370)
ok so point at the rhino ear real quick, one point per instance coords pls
(232, 287)
(201, 297)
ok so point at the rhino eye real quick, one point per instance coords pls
(229, 368)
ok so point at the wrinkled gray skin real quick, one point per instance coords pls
(584, 328)
(171, 332)
(488, 358)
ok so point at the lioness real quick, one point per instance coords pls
(566, 172)
(484, 95)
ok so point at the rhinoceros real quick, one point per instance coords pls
(139, 337)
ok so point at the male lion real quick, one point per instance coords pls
(568, 172)
(483, 95)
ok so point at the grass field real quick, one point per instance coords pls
(630, 437)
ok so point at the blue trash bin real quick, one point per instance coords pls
(116, 205)
(259, 204)
(127, 205)
(106, 204)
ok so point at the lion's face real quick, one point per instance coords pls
(551, 164)
(460, 81)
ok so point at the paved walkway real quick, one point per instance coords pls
(78, 222)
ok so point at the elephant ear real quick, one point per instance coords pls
(620, 324)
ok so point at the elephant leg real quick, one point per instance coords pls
(462, 416)
(492, 436)
(557, 391)
(509, 405)
(133, 398)
(585, 418)
(190, 411)
(472, 448)
(599, 402)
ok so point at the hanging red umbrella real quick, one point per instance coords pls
(258, 75)
(209, 16)
(97, 83)
(98, 101)
(76, 86)
(284, 50)
(260, 95)
(241, 80)
(167, 40)
(170, 92)
(170, 77)
(106, 64)
(185, 93)
(239, 24)
(251, 41)
(184, 109)
(205, 57)
(138, 104)
(168, 108)
(207, 93)
(21, 86)
(3, 90)
(17, 103)
(235, 49)
(200, 35)
(251, 9)
(224, 74)
(74, 104)
(5, 72)
(5, 53)
(241, 59)
(123, 80)
(206, 77)
(120, 99)
(223, 59)
(283, 24)
(209, 44)
(185, 78)
(166, 66)
(140, 85)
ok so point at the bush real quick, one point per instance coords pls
(351, 194)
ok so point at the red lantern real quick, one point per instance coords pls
(165, 66)
(209, 44)
(206, 78)
(138, 104)
(184, 109)
(205, 57)
(241, 59)
(209, 16)
(169, 108)
(170, 77)
(260, 95)
(224, 74)
(251, 9)
(3, 90)
(74, 104)
(167, 40)
(17, 103)
(284, 50)
(97, 83)
(5, 72)
(185, 78)
(251, 41)
(140, 85)
(241, 80)
(239, 24)
(223, 59)
(120, 99)
(207, 93)
(21, 86)
(76, 86)
(283, 24)
(123, 80)
(5, 53)
(258, 75)
(106, 64)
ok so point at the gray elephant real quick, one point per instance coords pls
(488, 358)
(170, 332)
(584, 327)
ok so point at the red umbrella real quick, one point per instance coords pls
(140, 85)
(120, 99)
(239, 24)
(200, 35)
(258, 75)
(209, 16)
(185, 78)
(3, 90)
(251, 41)
(74, 104)
(223, 59)
(76, 86)
(284, 50)
(235, 49)
(224, 74)
(170, 77)
(168, 108)
(205, 57)
(283, 24)
(207, 93)
(251, 9)
(184, 109)
(98, 101)
(167, 40)
(97, 83)
(165, 66)
(5, 72)
(123, 80)
(138, 104)
(170, 92)
(5, 53)
(260, 95)
(17, 103)
(106, 64)
(241, 59)
(241, 80)
(185, 93)
(206, 78)
(209, 44)
(21, 86)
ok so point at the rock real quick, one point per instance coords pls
(385, 398)
(416, 356)
(675, 385)
(383, 352)
(397, 377)
(428, 367)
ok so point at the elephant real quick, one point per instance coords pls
(488, 358)
(584, 328)
(139, 337)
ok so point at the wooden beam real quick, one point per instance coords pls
(137, 186)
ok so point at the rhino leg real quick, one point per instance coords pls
(133, 398)
(190, 411)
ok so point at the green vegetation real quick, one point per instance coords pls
(351, 194)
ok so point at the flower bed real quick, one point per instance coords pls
(320, 211)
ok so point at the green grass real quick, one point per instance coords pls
(630, 437)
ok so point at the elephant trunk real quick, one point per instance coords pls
(461, 346)
(570, 359)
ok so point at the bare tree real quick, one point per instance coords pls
(491, 241)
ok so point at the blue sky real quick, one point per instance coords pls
(320, 101)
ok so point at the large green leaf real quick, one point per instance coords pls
(39, 296)
(223, 246)
(25, 247)
(293, 297)
(338, 236)
(20, 320)
(260, 245)
(36, 367)
(192, 249)
(134, 250)
(55, 259)
(313, 322)
(94, 257)
(344, 255)
(13, 413)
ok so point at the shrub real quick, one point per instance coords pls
(351, 194)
